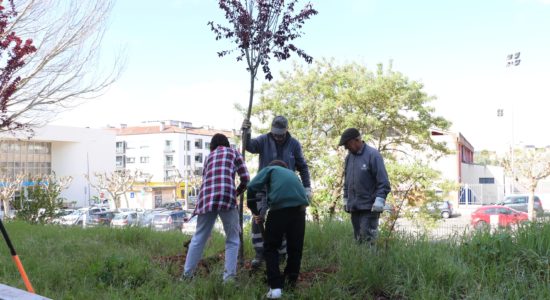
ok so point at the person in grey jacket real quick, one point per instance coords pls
(366, 185)
(278, 144)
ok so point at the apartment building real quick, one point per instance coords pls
(165, 150)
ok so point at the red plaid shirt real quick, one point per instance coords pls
(218, 180)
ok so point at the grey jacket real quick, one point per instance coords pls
(290, 152)
(365, 178)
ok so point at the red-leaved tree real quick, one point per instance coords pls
(261, 29)
(13, 50)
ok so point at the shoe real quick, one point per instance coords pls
(185, 278)
(274, 294)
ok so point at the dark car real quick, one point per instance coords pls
(172, 206)
(496, 214)
(519, 202)
(444, 208)
(100, 218)
(441, 208)
(169, 220)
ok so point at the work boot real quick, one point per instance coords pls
(274, 294)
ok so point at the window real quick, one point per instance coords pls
(168, 160)
(168, 143)
(130, 160)
(187, 160)
(120, 162)
(198, 157)
(207, 145)
(486, 180)
(198, 143)
(144, 159)
(198, 171)
(120, 147)
(187, 145)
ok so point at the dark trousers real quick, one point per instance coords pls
(291, 222)
(365, 225)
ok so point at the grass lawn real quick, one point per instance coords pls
(102, 263)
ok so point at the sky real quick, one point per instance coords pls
(456, 48)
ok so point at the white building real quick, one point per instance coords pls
(67, 151)
(162, 150)
(479, 184)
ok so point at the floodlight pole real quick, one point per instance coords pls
(513, 60)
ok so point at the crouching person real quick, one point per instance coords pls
(287, 202)
(218, 197)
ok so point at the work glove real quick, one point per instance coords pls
(346, 208)
(378, 205)
(246, 125)
(308, 193)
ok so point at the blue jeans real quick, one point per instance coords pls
(205, 223)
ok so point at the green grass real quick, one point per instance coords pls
(101, 263)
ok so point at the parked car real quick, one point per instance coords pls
(100, 218)
(442, 208)
(125, 219)
(173, 206)
(146, 218)
(78, 216)
(519, 202)
(497, 214)
(169, 220)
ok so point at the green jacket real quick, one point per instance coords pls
(284, 188)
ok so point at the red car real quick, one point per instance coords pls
(497, 214)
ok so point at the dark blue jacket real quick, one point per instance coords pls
(290, 152)
(365, 178)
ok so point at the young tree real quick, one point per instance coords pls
(8, 187)
(63, 68)
(43, 198)
(393, 113)
(116, 184)
(529, 166)
(261, 29)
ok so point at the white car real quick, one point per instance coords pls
(125, 219)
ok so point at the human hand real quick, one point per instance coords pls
(346, 208)
(258, 219)
(246, 125)
(308, 193)
(378, 205)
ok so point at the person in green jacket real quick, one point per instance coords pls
(287, 201)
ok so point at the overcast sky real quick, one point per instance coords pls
(456, 48)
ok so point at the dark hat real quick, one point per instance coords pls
(348, 134)
(279, 125)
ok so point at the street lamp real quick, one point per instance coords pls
(512, 60)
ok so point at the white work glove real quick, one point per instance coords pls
(346, 209)
(378, 205)
(308, 193)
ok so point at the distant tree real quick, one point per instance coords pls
(116, 184)
(63, 69)
(393, 114)
(529, 166)
(486, 158)
(260, 29)
(43, 199)
(8, 187)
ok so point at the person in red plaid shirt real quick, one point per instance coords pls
(218, 197)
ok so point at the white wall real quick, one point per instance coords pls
(77, 151)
